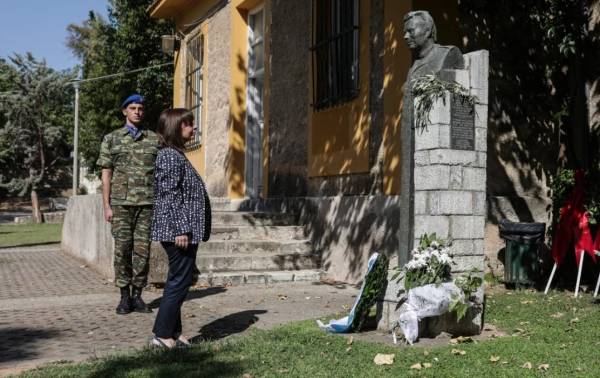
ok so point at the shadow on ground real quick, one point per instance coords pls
(228, 325)
(195, 362)
(193, 294)
(22, 343)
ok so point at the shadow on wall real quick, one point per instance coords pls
(530, 131)
(234, 160)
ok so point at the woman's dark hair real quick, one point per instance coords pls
(169, 127)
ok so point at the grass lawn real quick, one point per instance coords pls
(13, 235)
(556, 335)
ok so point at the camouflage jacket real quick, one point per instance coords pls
(132, 163)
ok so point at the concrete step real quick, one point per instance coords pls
(242, 218)
(275, 233)
(237, 278)
(256, 262)
(254, 247)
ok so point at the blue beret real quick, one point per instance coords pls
(134, 98)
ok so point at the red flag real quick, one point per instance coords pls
(573, 226)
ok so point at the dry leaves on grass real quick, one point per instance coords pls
(558, 315)
(458, 352)
(350, 340)
(384, 359)
(527, 365)
(461, 340)
(416, 366)
(544, 367)
(494, 358)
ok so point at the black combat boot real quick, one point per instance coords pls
(137, 303)
(124, 306)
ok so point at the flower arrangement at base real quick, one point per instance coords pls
(430, 263)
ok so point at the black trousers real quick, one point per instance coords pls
(182, 266)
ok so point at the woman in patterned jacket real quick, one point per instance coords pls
(181, 221)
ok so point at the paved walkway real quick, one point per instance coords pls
(53, 308)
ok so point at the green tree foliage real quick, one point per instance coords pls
(37, 111)
(128, 40)
(544, 86)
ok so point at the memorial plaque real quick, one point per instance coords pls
(462, 125)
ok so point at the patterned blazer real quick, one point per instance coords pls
(181, 205)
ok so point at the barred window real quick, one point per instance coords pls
(194, 84)
(335, 52)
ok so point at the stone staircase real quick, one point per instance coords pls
(255, 247)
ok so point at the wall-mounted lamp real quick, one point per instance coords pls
(169, 43)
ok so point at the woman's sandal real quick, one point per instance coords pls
(182, 342)
(156, 342)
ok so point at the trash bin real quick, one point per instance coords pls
(521, 263)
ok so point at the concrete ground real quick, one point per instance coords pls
(52, 308)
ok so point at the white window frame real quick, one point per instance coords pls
(194, 84)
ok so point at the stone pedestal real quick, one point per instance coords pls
(450, 177)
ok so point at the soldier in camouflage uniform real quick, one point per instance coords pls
(127, 158)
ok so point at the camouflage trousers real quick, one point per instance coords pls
(131, 230)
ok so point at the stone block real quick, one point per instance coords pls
(308, 275)
(470, 325)
(227, 279)
(432, 177)
(453, 157)
(203, 280)
(481, 115)
(421, 202)
(427, 224)
(480, 139)
(478, 246)
(479, 203)
(422, 158)
(284, 276)
(440, 112)
(450, 203)
(480, 95)
(462, 247)
(479, 73)
(444, 137)
(467, 61)
(474, 179)
(467, 227)
(467, 263)
(434, 136)
(459, 76)
(482, 159)
(255, 278)
(456, 177)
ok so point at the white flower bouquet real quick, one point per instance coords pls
(430, 263)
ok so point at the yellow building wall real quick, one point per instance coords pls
(396, 62)
(339, 136)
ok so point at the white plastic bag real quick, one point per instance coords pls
(423, 302)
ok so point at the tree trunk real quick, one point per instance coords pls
(35, 208)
